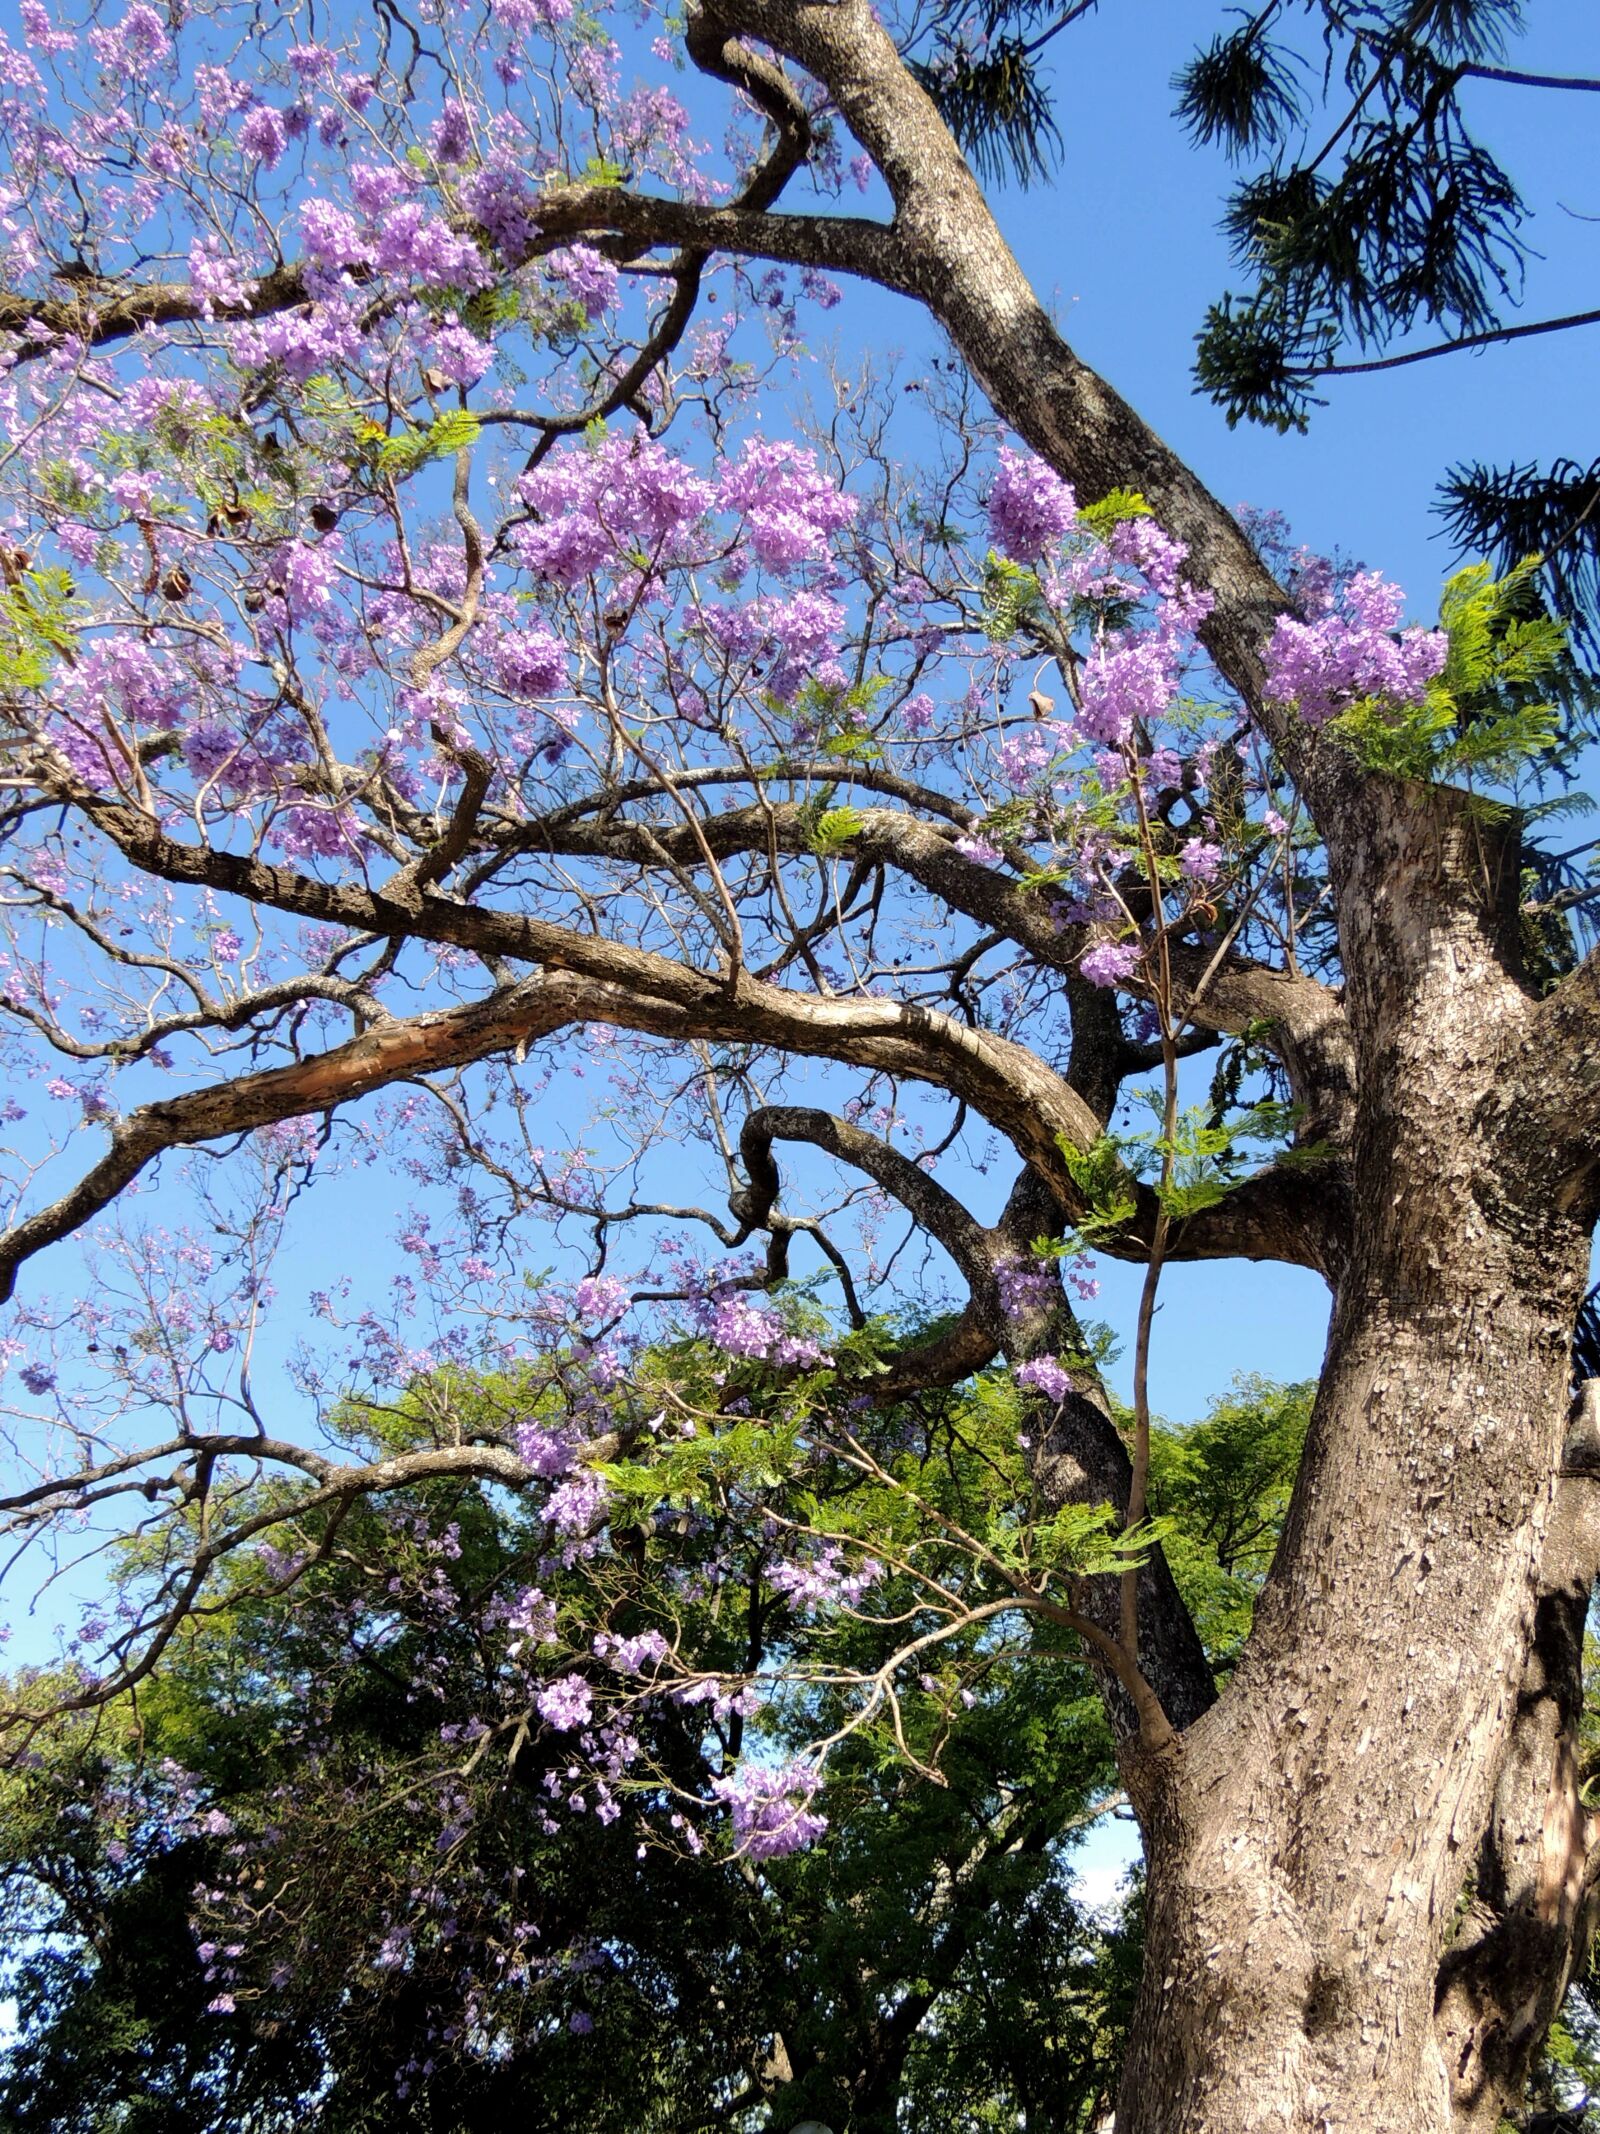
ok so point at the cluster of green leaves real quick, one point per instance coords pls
(403, 452)
(1222, 1487)
(836, 722)
(38, 624)
(1188, 1170)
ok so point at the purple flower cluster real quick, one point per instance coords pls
(302, 343)
(579, 1503)
(600, 503)
(1200, 861)
(1030, 507)
(1127, 679)
(216, 275)
(631, 1656)
(1109, 962)
(1352, 649)
(548, 1452)
(1025, 1286)
(823, 1580)
(504, 202)
(740, 1328)
(770, 1808)
(565, 1703)
(1047, 1375)
(262, 135)
(600, 1296)
(789, 505)
(531, 1618)
(587, 277)
(530, 663)
(420, 247)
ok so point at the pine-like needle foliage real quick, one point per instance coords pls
(1552, 512)
(1370, 209)
(985, 69)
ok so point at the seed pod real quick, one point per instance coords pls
(177, 584)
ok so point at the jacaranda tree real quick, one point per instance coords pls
(435, 663)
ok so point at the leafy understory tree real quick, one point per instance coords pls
(424, 672)
(288, 1874)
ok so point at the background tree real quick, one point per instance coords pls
(306, 1741)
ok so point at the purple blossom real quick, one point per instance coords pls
(804, 628)
(579, 1503)
(1200, 861)
(770, 1808)
(450, 135)
(631, 1656)
(520, 16)
(532, 1617)
(1350, 651)
(1030, 507)
(601, 503)
(566, 1703)
(1151, 550)
(219, 279)
(979, 851)
(309, 577)
(789, 505)
(916, 713)
(502, 199)
(39, 32)
(546, 1451)
(331, 236)
(590, 279)
(1163, 770)
(530, 663)
(1127, 678)
(823, 1581)
(600, 1296)
(411, 243)
(458, 353)
(136, 45)
(304, 343)
(1025, 1286)
(317, 832)
(1047, 1374)
(1109, 962)
(262, 135)
(312, 62)
(741, 1328)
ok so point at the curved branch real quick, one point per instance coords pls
(395, 1051)
(105, 311)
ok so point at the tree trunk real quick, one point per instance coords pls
(1309, 1838)
(1529, 1914)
